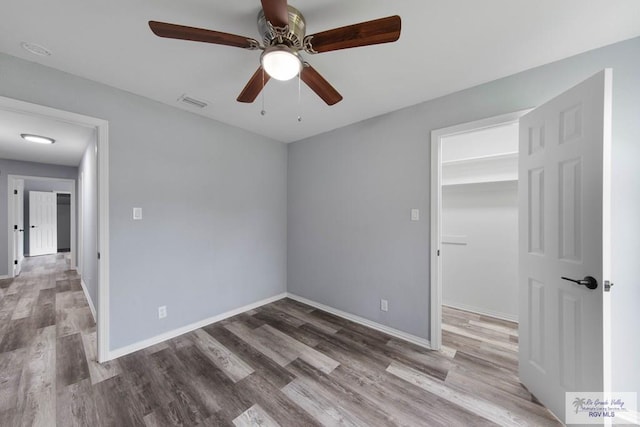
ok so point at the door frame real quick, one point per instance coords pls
(102, 144)
(10, 183)
(437, 135)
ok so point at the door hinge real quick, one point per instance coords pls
(607, 286)
(438, 252)
(98, 255)
(15, 191)
(15, 262)
(15, 227)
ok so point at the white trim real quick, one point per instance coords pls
(365, 322)
(89, 300)
(114, 354)
(436, 200)
(103, 239)
(482, 311)
(5, 277)
(102, 133)
(607, 176)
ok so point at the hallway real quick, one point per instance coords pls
(47, 341)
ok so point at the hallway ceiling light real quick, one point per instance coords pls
(36, 49)
(37, 138)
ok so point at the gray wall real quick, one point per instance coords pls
(13, 167)
(88, 213)
(350, 241)
(40, 185)
(213, 237)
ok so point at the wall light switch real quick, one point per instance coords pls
(415, 214)
(162, 312)
(384, 305)
(137, 213)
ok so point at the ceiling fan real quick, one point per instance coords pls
(282, 28)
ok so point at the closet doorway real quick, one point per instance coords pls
(474, 223)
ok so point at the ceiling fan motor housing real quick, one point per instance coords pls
(292, 35)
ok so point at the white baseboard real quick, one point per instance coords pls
(114, 354)
(365, 322)
(5, 277)
(92, 307)
(483, 311)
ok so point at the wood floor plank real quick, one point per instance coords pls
(482, 407)
(25, 305)
(283, 410)
(19, 334)
(72, 362)
(229, 363)
(114, 404)
(268, 369)
(37, 391)
(45, 311)
(76, 406)
(97, 371)
(255, 417)
(304, 352)
(276, 351)
(320, 405)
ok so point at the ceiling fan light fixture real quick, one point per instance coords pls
(37, 138)
(281, 62)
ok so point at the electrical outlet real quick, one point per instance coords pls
(384, 305)
(162, 312)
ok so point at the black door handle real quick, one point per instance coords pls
(33, 226)
(588, 281)
(21, 229)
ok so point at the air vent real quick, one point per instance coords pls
(192, 102)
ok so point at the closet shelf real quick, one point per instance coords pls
(481, 170)
(453, 183)
(501, 156)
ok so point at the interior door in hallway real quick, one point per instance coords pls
(43, 233)
(564, 254)
(18, 226)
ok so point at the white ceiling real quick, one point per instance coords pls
(445, 46)
(71, 139)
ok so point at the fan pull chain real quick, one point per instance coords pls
(299, 103)
(262, 112)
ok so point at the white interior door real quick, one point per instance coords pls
(43, 224)
(18, 226)
(564, 232)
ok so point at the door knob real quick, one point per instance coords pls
(588, 281)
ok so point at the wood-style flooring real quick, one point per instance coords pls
(283, 364)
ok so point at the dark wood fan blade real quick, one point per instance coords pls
(276, 12)
(384, 30)
(173, 31)
(319, 85)
(254, 87)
